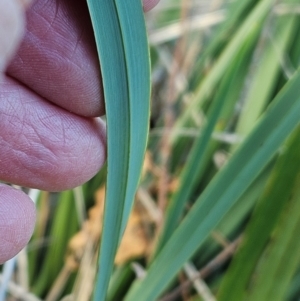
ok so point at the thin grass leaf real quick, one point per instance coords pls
(202, 149)
(61, 231)
(222, 192)
(232, 221)
(267, 63)
(257, 234)
(281, 258)
(114, 76)
(209, 83)
(119, 282)
(237, 12)
(123, 52)
(138, 72)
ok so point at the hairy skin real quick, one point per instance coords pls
(50, 97)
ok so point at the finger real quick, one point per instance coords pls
(149, 4)
(17, 219)
(11, 30)
(25, 3)
(44, 146)
(58, 58)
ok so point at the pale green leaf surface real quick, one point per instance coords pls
(120, 36)
(112, 59)
(138, 72)
(222, 192)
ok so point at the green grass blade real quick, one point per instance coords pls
(237, 12)
(112, 59)
(202, 149)
(258, 232)
(223, 191)
(193, 169)
(60, 234)
(264, 77)
(209, 83)
(138, 73)
(232, 221)
(273, 276)
(120, 35)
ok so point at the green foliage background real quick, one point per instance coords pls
(224, 180)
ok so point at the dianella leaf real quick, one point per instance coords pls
(138, 72)
(121, 40)
(222, 192)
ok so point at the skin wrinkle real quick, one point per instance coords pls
(18, 167)
(67, 51)
(43, 160)
(48, 145)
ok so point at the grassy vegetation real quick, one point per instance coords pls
(217, 211)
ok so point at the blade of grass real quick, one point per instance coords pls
(237, 12)
(257, 233)
(112, 60)
(209, 83)
(60, 233)
(202, 149)
(119, 282)
(229, 225)
(123, 52)
(222, 192)
(268, 58)
(138, 72)
(294, 288)
(274, 276)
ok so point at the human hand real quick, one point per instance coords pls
(49, 96)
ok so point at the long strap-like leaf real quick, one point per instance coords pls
(120, 35)
(223, 192)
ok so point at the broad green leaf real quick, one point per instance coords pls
(120, 34)
(222, 192)
(276, 194)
